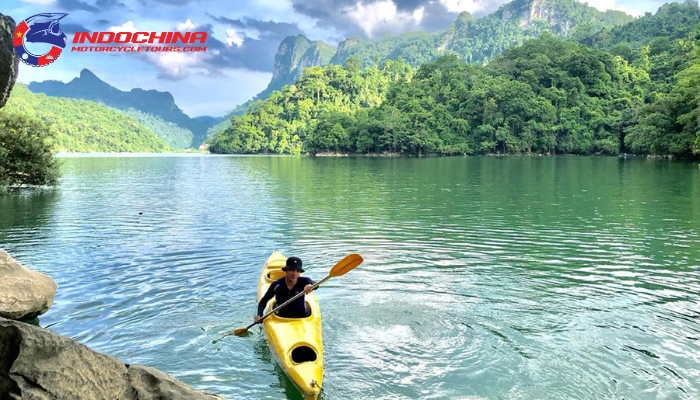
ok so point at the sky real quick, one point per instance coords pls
(243, 37)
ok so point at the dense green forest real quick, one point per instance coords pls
(672, 21)
(280, 123)
(478, 40)
(473, 40)
(171, 133)
(26, 158)
(83, 126)
(548, 96)
(154, 109)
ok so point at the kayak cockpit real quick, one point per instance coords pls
(275, 275)
(302, 354)
(307, 307)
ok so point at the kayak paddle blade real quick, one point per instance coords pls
(346, 265)
(240, 332)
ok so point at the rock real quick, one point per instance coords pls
(36, 363)
(295, 54)
(9, 63)
(24, 293)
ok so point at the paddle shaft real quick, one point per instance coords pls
(267, 314)
(341, 268)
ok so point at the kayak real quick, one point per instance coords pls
(296, 343)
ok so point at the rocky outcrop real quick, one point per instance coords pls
(542, 10)
(9, 63)
(474, 40)
(295, 54)
(24, 293)
(346, 47)
(36, 363)
(559, 17)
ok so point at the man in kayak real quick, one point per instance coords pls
(285, 288)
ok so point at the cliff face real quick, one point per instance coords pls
(294, 54)
(346, 47)
(288, 55)
(473, 40)
(560, 15)
(527, 12)
(9, 63)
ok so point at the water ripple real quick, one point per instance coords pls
(483, 278)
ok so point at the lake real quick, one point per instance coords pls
(484, 277)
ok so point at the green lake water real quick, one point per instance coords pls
(484, 278)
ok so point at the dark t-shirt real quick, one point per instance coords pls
(278, 289)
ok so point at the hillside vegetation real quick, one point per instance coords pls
(548, 96)
(83, 126)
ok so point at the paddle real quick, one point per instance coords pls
(343, 266)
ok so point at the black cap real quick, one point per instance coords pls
(293, 263)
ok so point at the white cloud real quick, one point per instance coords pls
(185, 26)
(418, 14)
(175, 64)
(604, 5)
(128, 26)
(233, 37)
(457, 6)
(376, 15)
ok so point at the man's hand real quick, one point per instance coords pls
(307, 289)
(256, 319)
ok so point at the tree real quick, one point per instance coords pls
(353, 64)
(25, 153)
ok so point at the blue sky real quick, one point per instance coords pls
(244, 36)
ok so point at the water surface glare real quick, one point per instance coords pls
(484, 278)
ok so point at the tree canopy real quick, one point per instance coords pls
(547, 96)
(25, 153)
(83, 126)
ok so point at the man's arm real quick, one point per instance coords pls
(268, 295)
(309, 282)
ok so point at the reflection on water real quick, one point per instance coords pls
(24, 214)
(264, 354)
(484, 278)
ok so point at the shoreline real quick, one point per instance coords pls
(364, 155)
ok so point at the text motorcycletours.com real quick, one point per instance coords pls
(138, 49)
(128, 42)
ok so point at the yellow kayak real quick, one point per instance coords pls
(296, 343)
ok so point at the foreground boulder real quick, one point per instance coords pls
(36, 363)
(9, 62)
(24, 294)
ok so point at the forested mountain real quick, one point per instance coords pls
(478, 40)
(586, 85)
(226, 120)
(294, 54)
(473, 40)
(548, 96)
(280, 123)
(169, 132)
(671, 22)
(160, 105)
(84, 126)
